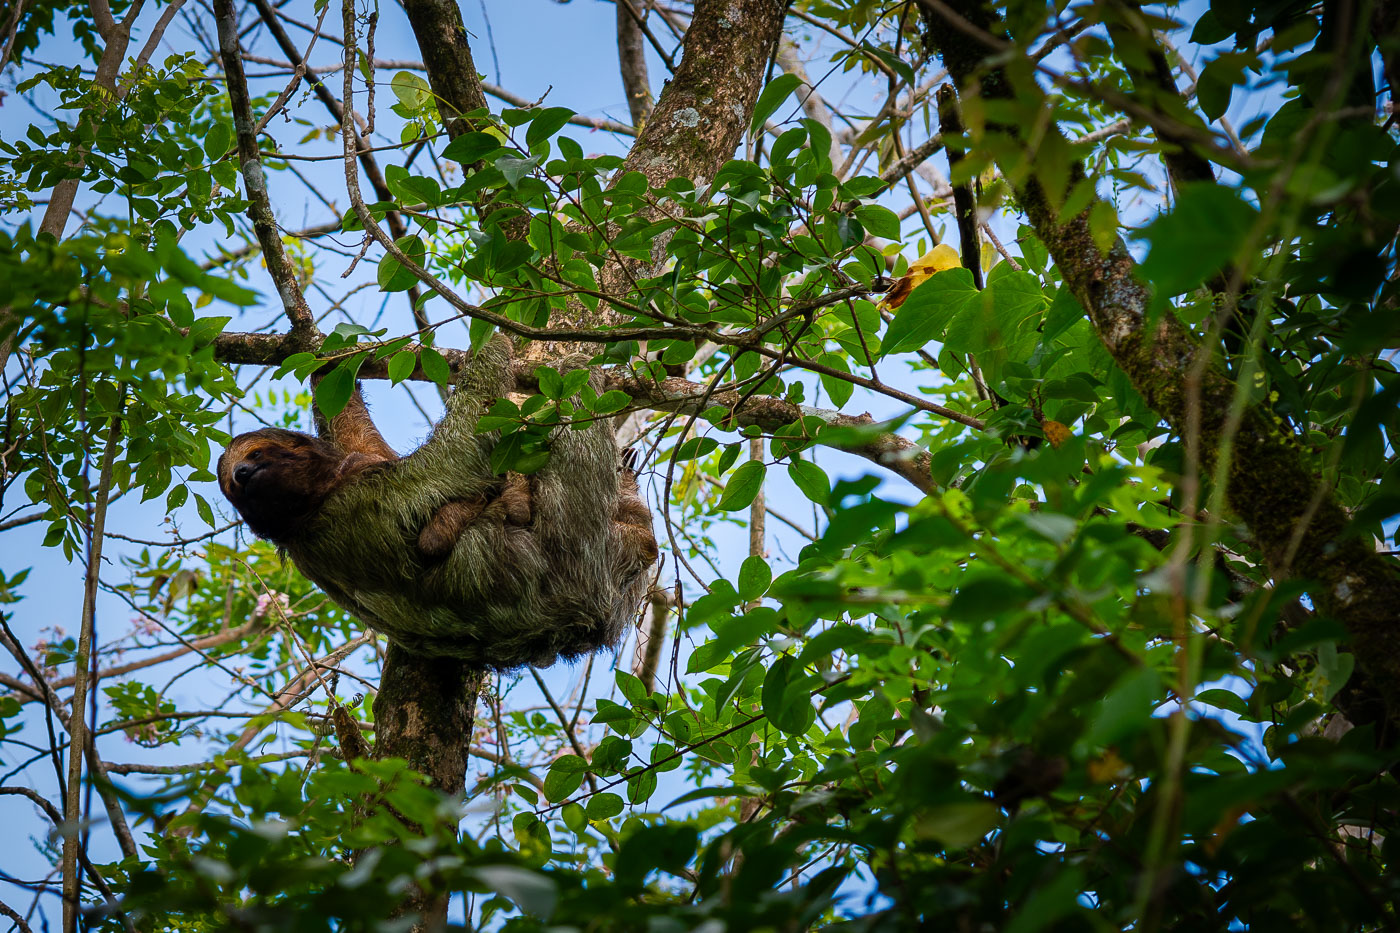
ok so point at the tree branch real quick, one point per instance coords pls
(632, 62)
(1146, 64)
(255, 180)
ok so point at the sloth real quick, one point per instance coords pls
(438, 552)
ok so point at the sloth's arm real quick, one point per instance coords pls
(633, 518)
(353, 429)
(454, 461)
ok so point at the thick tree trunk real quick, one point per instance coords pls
(424, 713)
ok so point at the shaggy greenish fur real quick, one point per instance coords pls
(565, 585)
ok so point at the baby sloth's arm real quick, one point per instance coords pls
(512, 507)
(633, 518)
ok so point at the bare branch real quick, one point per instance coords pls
(255, 180)
(77, 717)
(632, 61)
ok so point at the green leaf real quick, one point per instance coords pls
(176, 497)
(610, 402)
(1127, 708)
(631, 686)
(549, 121)
(573, 381)
(611, 754)
(551, 384)
(1103, 225)
(1065, 311)
(986, 595)
(1197, 238)
(411, 189)
(958, 824)
(411, 89)
(480, 332)
(743, 486)
(754, 577)
(772, 98)
(1003, 319)
(206, 513)
(1210, 30)
(604, 806)
(880, 221)
(219, 140)
(564, 777)
(785, 144)
(820, 141)
(895, 63)
(668, 847)
(515, 168)
(695, 447)
(926, 312)
(1050, 902)
(471, 147)
(1334, 667)
(1052, 526)
(519, 452)
(394, 277)
(573, 816)
(1216, 85)
(435, 366)
(785, 698)
(839, 389)
(849, 230)
(707, 657)
(726, 459)
(401, 366)
(641, 787)
(531, 891)
(709, 793)
(811, 479)
(336, 387)
(1225, 699)
(614, 714)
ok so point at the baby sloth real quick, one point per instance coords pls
(437, 551)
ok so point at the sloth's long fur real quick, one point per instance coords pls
(439, 553)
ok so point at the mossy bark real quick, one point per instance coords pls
(1299, 527)
(424, 713)
(703, 113)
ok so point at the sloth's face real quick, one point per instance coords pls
(277, 479)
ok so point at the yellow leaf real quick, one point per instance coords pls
(939, 259)
(1055, 432)
(1107, 769)
(990, 256)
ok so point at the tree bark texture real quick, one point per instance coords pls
(703, 113)
(424, 713)
(442, 42)
(632, 62)
(1299, 527)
